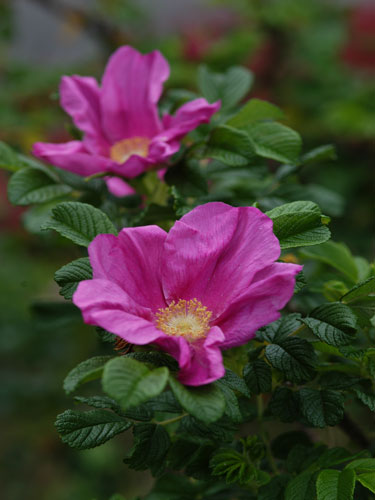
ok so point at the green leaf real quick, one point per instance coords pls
(232, 407)
(294, 357)
(258, 376)
(151, 444)
(280, 329)
(321, 153)
(301, 487)
(362, 465)
(229, 87)
(275, 141)
(367, 398)
(79, 222)
(13, 161)
(285, 404)
(274, 490)
(367, 480)
(131, 383)
(31, 185)
(333, 323)
(337, 380)
(361, 300)
(360, 291)
(188, 179)
(255, 110)
(298, 224)
(335, 485)
(235, 382)
(89, 429)
(322, 408)
(336, 255)
(68, 276)
(91, 369)
(234, 466)
(230, 146)
(206, 403)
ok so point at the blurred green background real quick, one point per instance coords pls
(316, 60)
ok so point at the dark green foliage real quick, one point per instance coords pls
(89, 429)
(322, 408)
(79, 222)
(151, 444)
(299, 224)
(205, 403)
(90, 369)
(294, 357)
(131, 383)
(32, 185)
(285, 404)
(68, 276)
(333, 323)
(258, 376)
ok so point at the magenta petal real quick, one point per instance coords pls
(272, 289)
(199, 363)
(80, 99)
(214, 252)
(132, 261)
(187, 118)
(131, 87)
(118, 187)
(71, 156)
(107, 305)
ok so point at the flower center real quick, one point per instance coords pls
(122, 150)
(186, 318)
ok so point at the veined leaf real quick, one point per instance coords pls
(85, 430)
(275, 141)
(131, 383)
(68, 276)
(336, 255)
(335, 485)
(230, 146)
(206, 402)
(322, 408)
(298, 224)
(253, 111)
(91, 369)
(294, 357)
(79, 222)
(31, 185)
(229, 87)
(333, 323)
(258, 377)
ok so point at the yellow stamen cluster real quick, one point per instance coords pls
(122, 150)
(186, 318)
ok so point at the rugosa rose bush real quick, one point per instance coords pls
(207, 285)
(211, 336)
(123, 134)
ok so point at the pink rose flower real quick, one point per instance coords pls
(123, 134)
(207, 285)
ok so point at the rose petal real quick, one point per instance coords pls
(131, 87)
(199, 363)
(72, 156)
(132, 261)
(213, 253)
(188, 117)
(118, 187)
(271, 290)
(105, 304)
(79, 97)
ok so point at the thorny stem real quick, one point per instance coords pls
(264, 437)
(171, 420)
